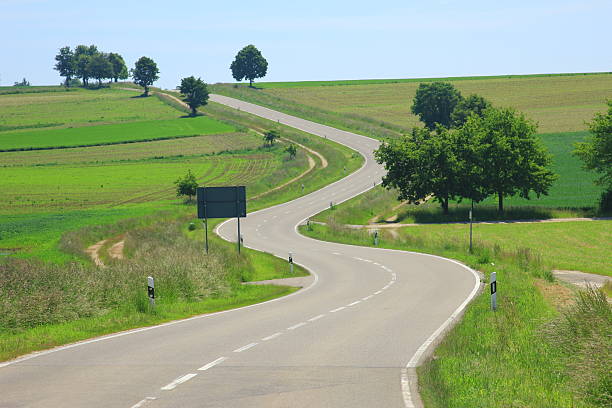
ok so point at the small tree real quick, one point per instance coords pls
(195, 92)
(186, 186)
(249, 64)
(434, 103)
(119, 68)
(473, 104)
(82, 57)
(65, 64)
(508, 156)
(270, 136)
(292, 150)
(145, 73)
(24, 82)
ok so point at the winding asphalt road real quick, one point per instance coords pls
(350, 339)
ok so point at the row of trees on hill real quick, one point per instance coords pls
(87, 62)
(467, 149)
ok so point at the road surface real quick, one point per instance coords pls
(350, 339)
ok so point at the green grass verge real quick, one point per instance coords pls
(111, 134)
(504, 359)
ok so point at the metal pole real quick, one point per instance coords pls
(238, 234)
(206, 233)
(471, 215)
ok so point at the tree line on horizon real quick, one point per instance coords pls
(87, 62)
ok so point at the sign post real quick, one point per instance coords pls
(221, 202)
(493, 291)
(291, 262)
(151, 290)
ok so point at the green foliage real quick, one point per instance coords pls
(119, 68)
(186, 185)
(270, 136)
(65, 64)
(504, 156)
(421, 164)
(249, 64)
(596, 151)
(145, 72)
(195, 92)
(99, 67)
(292, 150)
(82, 57)
(434, 103)
(473, 104)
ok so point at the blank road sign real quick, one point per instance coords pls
(221, 202)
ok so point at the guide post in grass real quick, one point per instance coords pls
(221, 202)
(151, 290)
(291, 262)
(375, 237)
(493, 291)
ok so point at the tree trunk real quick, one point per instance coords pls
(193, 111)
(445, 206)
(500, 202)
(251, 83)
(146, 91)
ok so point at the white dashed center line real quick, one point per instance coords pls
(354, 303)
(295, 326)
(337, 310)
(212, 364)
(243, 348)
(316, 318)
(178, 381)
(273, 336)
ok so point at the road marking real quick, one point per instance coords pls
(178, 381)
(406, 389)
(316, 318)
(357, 258)
(354, 303)
(212, 364)
(336, 253)
(142, 402)
(243, 348)
(295, 326)
(273, 336)
(378, 293)
(338, 309)
(368, 297)
(377, 264)
(366, 260)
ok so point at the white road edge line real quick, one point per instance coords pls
(316, 318)
(406, 394)
(354, 303)
(273, 336)
(212, 364)
(295, 326)
(378, 292)
(338, 309)
(143, 402)
(178, 381)
(243, 348)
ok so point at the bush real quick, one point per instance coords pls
(605, 201)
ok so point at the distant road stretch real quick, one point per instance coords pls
(350, 339)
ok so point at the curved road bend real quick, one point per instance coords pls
(344, 341)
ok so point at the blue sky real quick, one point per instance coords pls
(314, 40)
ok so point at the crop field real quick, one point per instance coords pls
(111, 134)
(559, 103)
(78, 108)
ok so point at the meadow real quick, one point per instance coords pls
(111, 134)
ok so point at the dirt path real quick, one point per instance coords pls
(115, 251)
(581, 279)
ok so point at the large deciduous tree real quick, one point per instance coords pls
(145, 73)
(506, 156)
(473, 104)
(82, 57)
(119, 68)
(434, 103)
(249, 64)
(596, 153)
(422, 164)
(65, 64)
(99, 67)
(195, 92)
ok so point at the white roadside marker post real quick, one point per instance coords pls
(471, 226)
(291, 263)
(493, 291)
(151, 290)
(375, 237)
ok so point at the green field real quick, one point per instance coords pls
(559, 103)
(111, 134)
(78, 108)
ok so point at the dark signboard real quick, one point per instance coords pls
(221, 202)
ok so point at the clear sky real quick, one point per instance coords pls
(313, 40)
